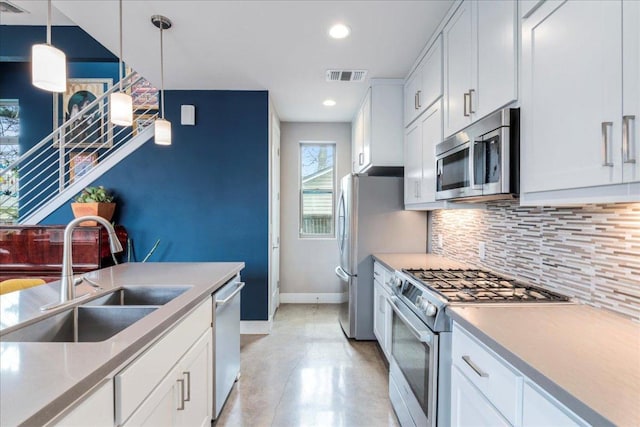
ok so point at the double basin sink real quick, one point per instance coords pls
(98, 319)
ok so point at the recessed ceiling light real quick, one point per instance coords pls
(339, 31)
(329, 103)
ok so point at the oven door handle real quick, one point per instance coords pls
(422, 336)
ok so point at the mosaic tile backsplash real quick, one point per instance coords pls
(591, 252)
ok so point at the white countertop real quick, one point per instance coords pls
(416, 260)
(583, 356)
(38, 380)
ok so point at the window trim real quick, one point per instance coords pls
(310, 236)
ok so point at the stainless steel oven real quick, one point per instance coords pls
(413, 371)
(482, 161)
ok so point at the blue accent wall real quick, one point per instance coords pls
(16, 42)
(205, 196)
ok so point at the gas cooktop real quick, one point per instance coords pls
(478, 286)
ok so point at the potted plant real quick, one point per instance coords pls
(94, 201)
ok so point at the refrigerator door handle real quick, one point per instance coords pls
(341, 223)
(342, 274)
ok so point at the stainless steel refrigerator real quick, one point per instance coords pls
(371, 220)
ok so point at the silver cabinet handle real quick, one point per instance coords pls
(181, 407)
(187, 374)
(476, 369)
(606, 126)
(415, 101)
(464, 103)
(471, 101)
(418, 94)
(220, 302)
(627, 134)
(361, 159)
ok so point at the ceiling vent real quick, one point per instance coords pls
(346, 75)
(6, 7)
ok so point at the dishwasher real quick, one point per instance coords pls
(226, 341)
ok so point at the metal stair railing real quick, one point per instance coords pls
(50, 166)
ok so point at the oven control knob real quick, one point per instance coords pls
(425, 306)
(430, 310)
(395, 281)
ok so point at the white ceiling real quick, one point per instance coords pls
(279, 46)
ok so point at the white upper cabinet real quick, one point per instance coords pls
(631, 91)
(580, 102)
(420, 160)
(480, 61)
(377, 127)
(424, 86)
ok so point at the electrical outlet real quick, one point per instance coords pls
(481, 250)
(440, 243)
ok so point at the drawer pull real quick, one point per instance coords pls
(181, 407)
(475, 367)
(187, 374)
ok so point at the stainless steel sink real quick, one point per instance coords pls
(140, 296)
(80, 324)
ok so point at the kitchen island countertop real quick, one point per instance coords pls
(39, 380)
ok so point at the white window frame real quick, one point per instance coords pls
(10, 140)
(328, 236)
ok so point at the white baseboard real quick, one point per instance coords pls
(255, 327)
(291, 298)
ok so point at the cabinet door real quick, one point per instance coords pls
(378, 312)
(412, 163)
(96, 410)
(539, 409)
(366, 132)
(458, 52)
(411, 88)
(160, 408)
(468, 406)
(571, 71)
(497, 27)
(431, 87)
(631, 91)
(431, 135)
(357, 140)
(196, 371)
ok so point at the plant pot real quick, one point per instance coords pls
(104, 210)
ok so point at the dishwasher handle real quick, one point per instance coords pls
(221, 302)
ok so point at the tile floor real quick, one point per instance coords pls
(306, 373)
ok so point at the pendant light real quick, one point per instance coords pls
(121, 103)
(48, 64)
(162, 126)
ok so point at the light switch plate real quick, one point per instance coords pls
(481, 250)
(188, 115)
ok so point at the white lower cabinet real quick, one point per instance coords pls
(96, 410)
(184, 396)
(540, 409)
(171, 382)
(469, 407)
(382, 308)
(486, 390)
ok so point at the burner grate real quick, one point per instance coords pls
(480, 286)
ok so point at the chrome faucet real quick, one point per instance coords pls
(67, 284)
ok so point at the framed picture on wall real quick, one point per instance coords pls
(141, 121)
(145, 95)
(80, 163)
(88, 122)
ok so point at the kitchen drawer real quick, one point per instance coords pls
(135, 382)
(382, 276)
(500, 383)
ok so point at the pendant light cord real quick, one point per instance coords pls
(161, 72)
(49, 23)
(120, 56)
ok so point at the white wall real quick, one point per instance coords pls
(307, 265)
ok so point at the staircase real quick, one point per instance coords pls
(74, 155)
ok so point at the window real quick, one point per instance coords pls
(9, 152)
(317, 189)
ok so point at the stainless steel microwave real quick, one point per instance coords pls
(482, 162)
